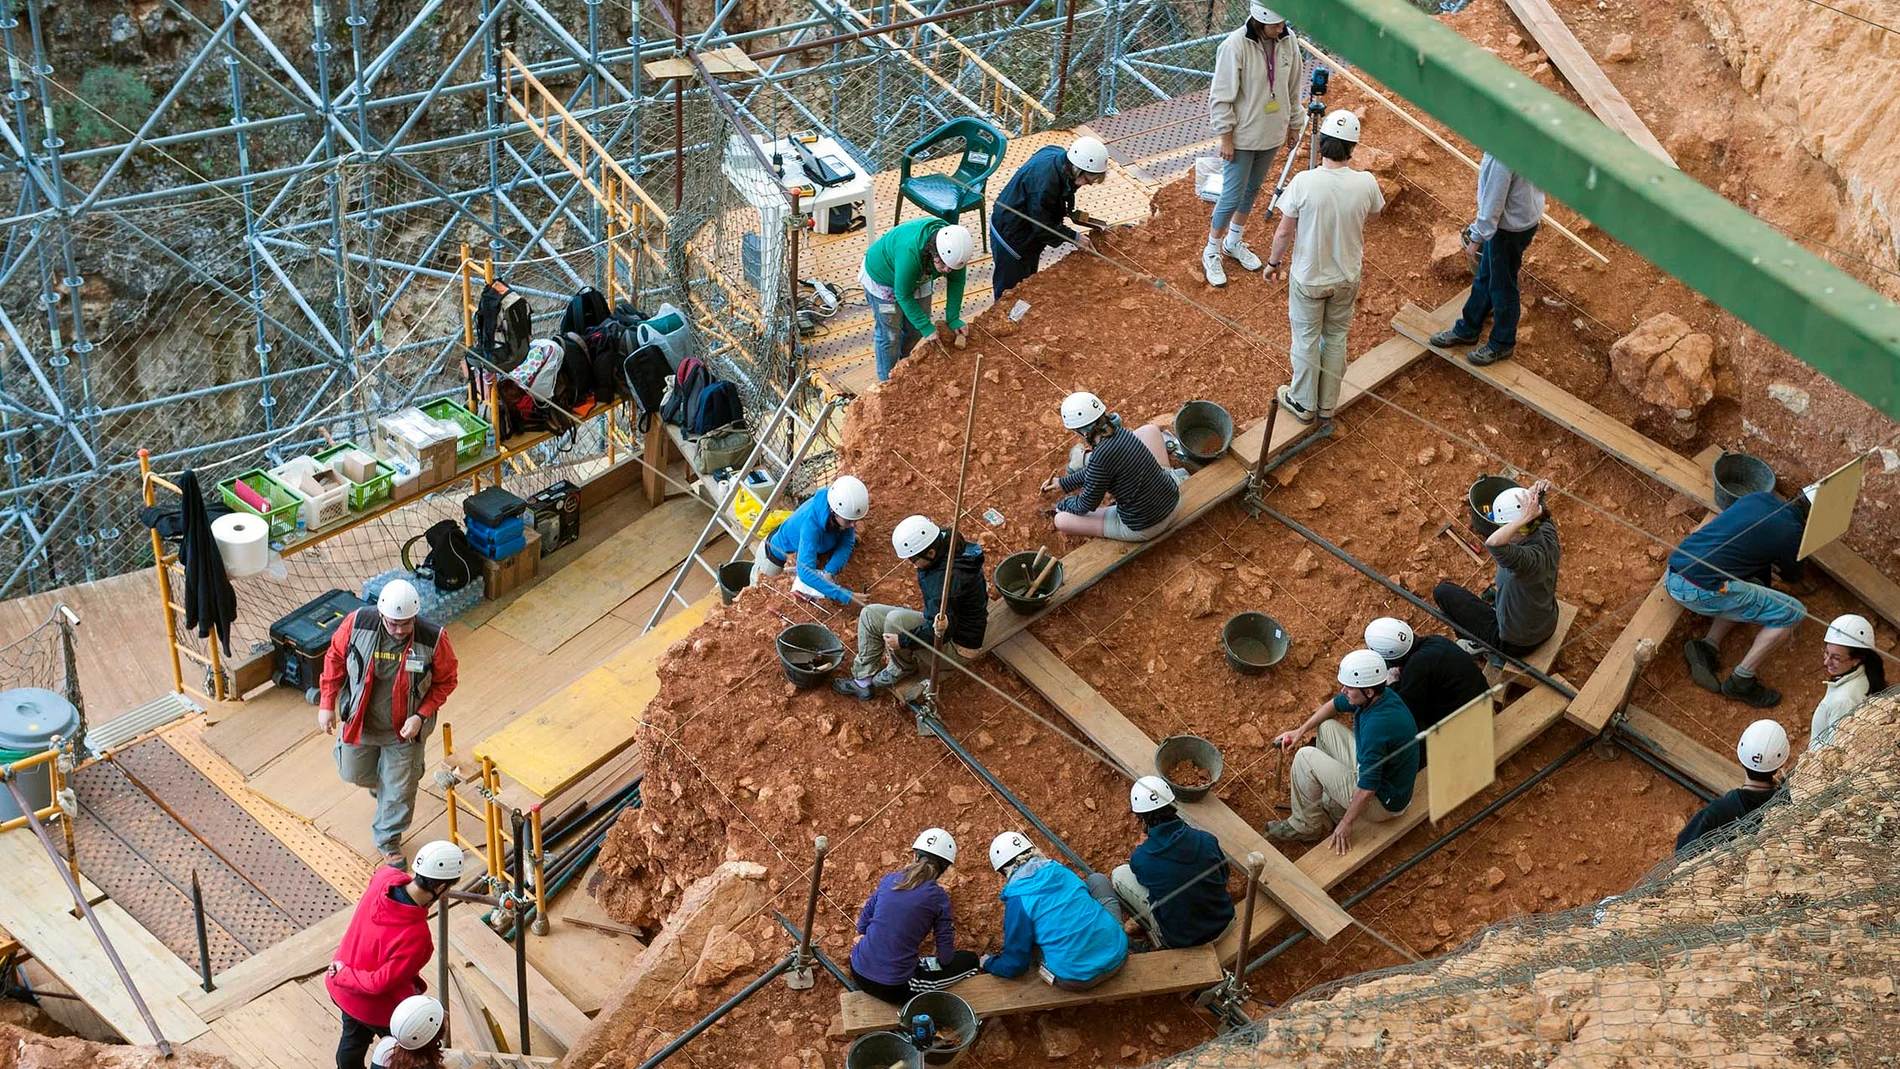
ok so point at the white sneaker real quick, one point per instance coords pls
(1238, 249)
(1211, 266)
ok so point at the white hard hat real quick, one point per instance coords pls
(1510, 506)
(1149, 794)
(1764, 747)
(914, 535)
(955, 246)
(1081, 409)
(399, 600)
(1006, 848)
(1089, 154)
(1362, 668)
(439, 860)
(1263, 14)
(1341, 124)
(849, 499)
(1389, 637)
(937, 843)
(416, 1021)
(1851, 630)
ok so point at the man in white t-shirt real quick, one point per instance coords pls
(1324, 221)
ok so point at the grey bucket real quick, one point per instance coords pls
(1204, 429)
(1177, 748)
(1483, 493)
(947, 1013)
(881, 1050)
(1012, 576)
(30, 718)
(1253, 642)
(1737, 475)
(734, 577)
(809, 653)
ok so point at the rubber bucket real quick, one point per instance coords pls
(949, 1015)
(1483, 493)
(1204, 429)
(809, 653)
(882, 1050)
(1253, 642)
(1176, 749)
(1012, 577)
(1737, 475)
(734, 577)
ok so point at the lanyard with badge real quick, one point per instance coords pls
(1270, 48)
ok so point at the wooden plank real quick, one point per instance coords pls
(284, 1028)
(583, 963)
(470, 1027)
(1712, 770)
(37, 911)
(584, 590)
(494, 958)
(1095, 559)
(1598, 92)
(1159, 973)
(589, 721)
(1609, 686)
(304, 954)
(1130, 747)
(1545, 654)
(1691, 478)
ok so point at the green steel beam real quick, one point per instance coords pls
(1826, 318)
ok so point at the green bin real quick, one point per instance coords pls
(282, 515)
(474, 428)
(362, 495)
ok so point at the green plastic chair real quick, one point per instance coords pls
(949, 196)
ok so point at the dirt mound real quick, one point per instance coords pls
(21, 1049)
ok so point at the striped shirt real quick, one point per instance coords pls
(1120, 465)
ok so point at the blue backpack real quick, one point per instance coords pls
(715, 405)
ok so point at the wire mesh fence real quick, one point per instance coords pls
(44, 658)
(1766, 943)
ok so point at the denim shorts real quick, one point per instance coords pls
(1744, 603)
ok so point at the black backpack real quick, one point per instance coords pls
(504, 324)
(585, 309)
(693, 375)
(451, 558)
(643, 377)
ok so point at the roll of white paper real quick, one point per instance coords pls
(244, 543)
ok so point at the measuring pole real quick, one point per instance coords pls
(799, 977)
(942, 622)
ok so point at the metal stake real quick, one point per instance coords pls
(799, 977)
(518, 900)
(942, 623)
(204, 940)
(442, 957)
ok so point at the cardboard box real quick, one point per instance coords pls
(426, 443)
(503, 577)
(358, 466)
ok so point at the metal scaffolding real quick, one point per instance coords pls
(251, 244)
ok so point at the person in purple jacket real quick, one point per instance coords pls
(907, 906)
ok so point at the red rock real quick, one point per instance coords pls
(1664, 363)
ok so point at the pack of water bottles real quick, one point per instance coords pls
(437, 607)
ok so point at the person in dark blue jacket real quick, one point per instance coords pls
(1033, 211)
(821, 534)
(904, 630)
(1722, 571)
(1175, 883)
(907, 907)
(1075, 928)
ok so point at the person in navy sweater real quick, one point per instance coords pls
(1722, 570)
(1175, 883)
(907, 906)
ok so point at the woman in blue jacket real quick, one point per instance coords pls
(1075, 927)
(907, 906)
(821, 534)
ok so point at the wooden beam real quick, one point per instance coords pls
(1598, 92)
(494, 958)
(1159, 973)
(1134, 751)
(1672, 469)
(1546, 652)
(1608, 688)
(305, 954)
(1713, 771)
(1096, 558)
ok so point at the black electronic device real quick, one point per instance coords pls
(826, 170)
(1321, 78)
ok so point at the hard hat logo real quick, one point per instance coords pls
(1342, 125)
(1149, 794)
(914, 535)
(1006, 848)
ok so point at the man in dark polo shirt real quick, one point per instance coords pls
(1349, 774)
(1762, 751)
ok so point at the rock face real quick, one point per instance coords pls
(1664, 363)
(21, 1049)
(726, 953)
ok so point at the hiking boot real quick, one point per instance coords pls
(1749, 690)
(1293, 408)
(1489, 353)
(1238, 249)
(395, 860)
(1705, 664)
(861, 689)
(1211, 266)
(1284, 831)
(1445, 339)
(889, 676)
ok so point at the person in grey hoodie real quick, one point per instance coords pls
(1253, 105)
(1509, 209)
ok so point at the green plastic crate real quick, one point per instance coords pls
(362, 495)
(474, 428)
(282, 516)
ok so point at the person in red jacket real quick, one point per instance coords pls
(384, 950)
(389, 672)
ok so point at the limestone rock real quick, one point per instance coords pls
(1493, 878)
(1058, 1041)
(1621, 49)
(1193, 589)
(725, 954)
(1448, 255)
(1793, 398)
(1664, 363)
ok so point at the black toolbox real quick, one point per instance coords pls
(492, 507)
(557, 515)
(303, 636)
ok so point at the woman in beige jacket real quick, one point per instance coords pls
(1254, 108)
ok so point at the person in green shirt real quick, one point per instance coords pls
(899, 270)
